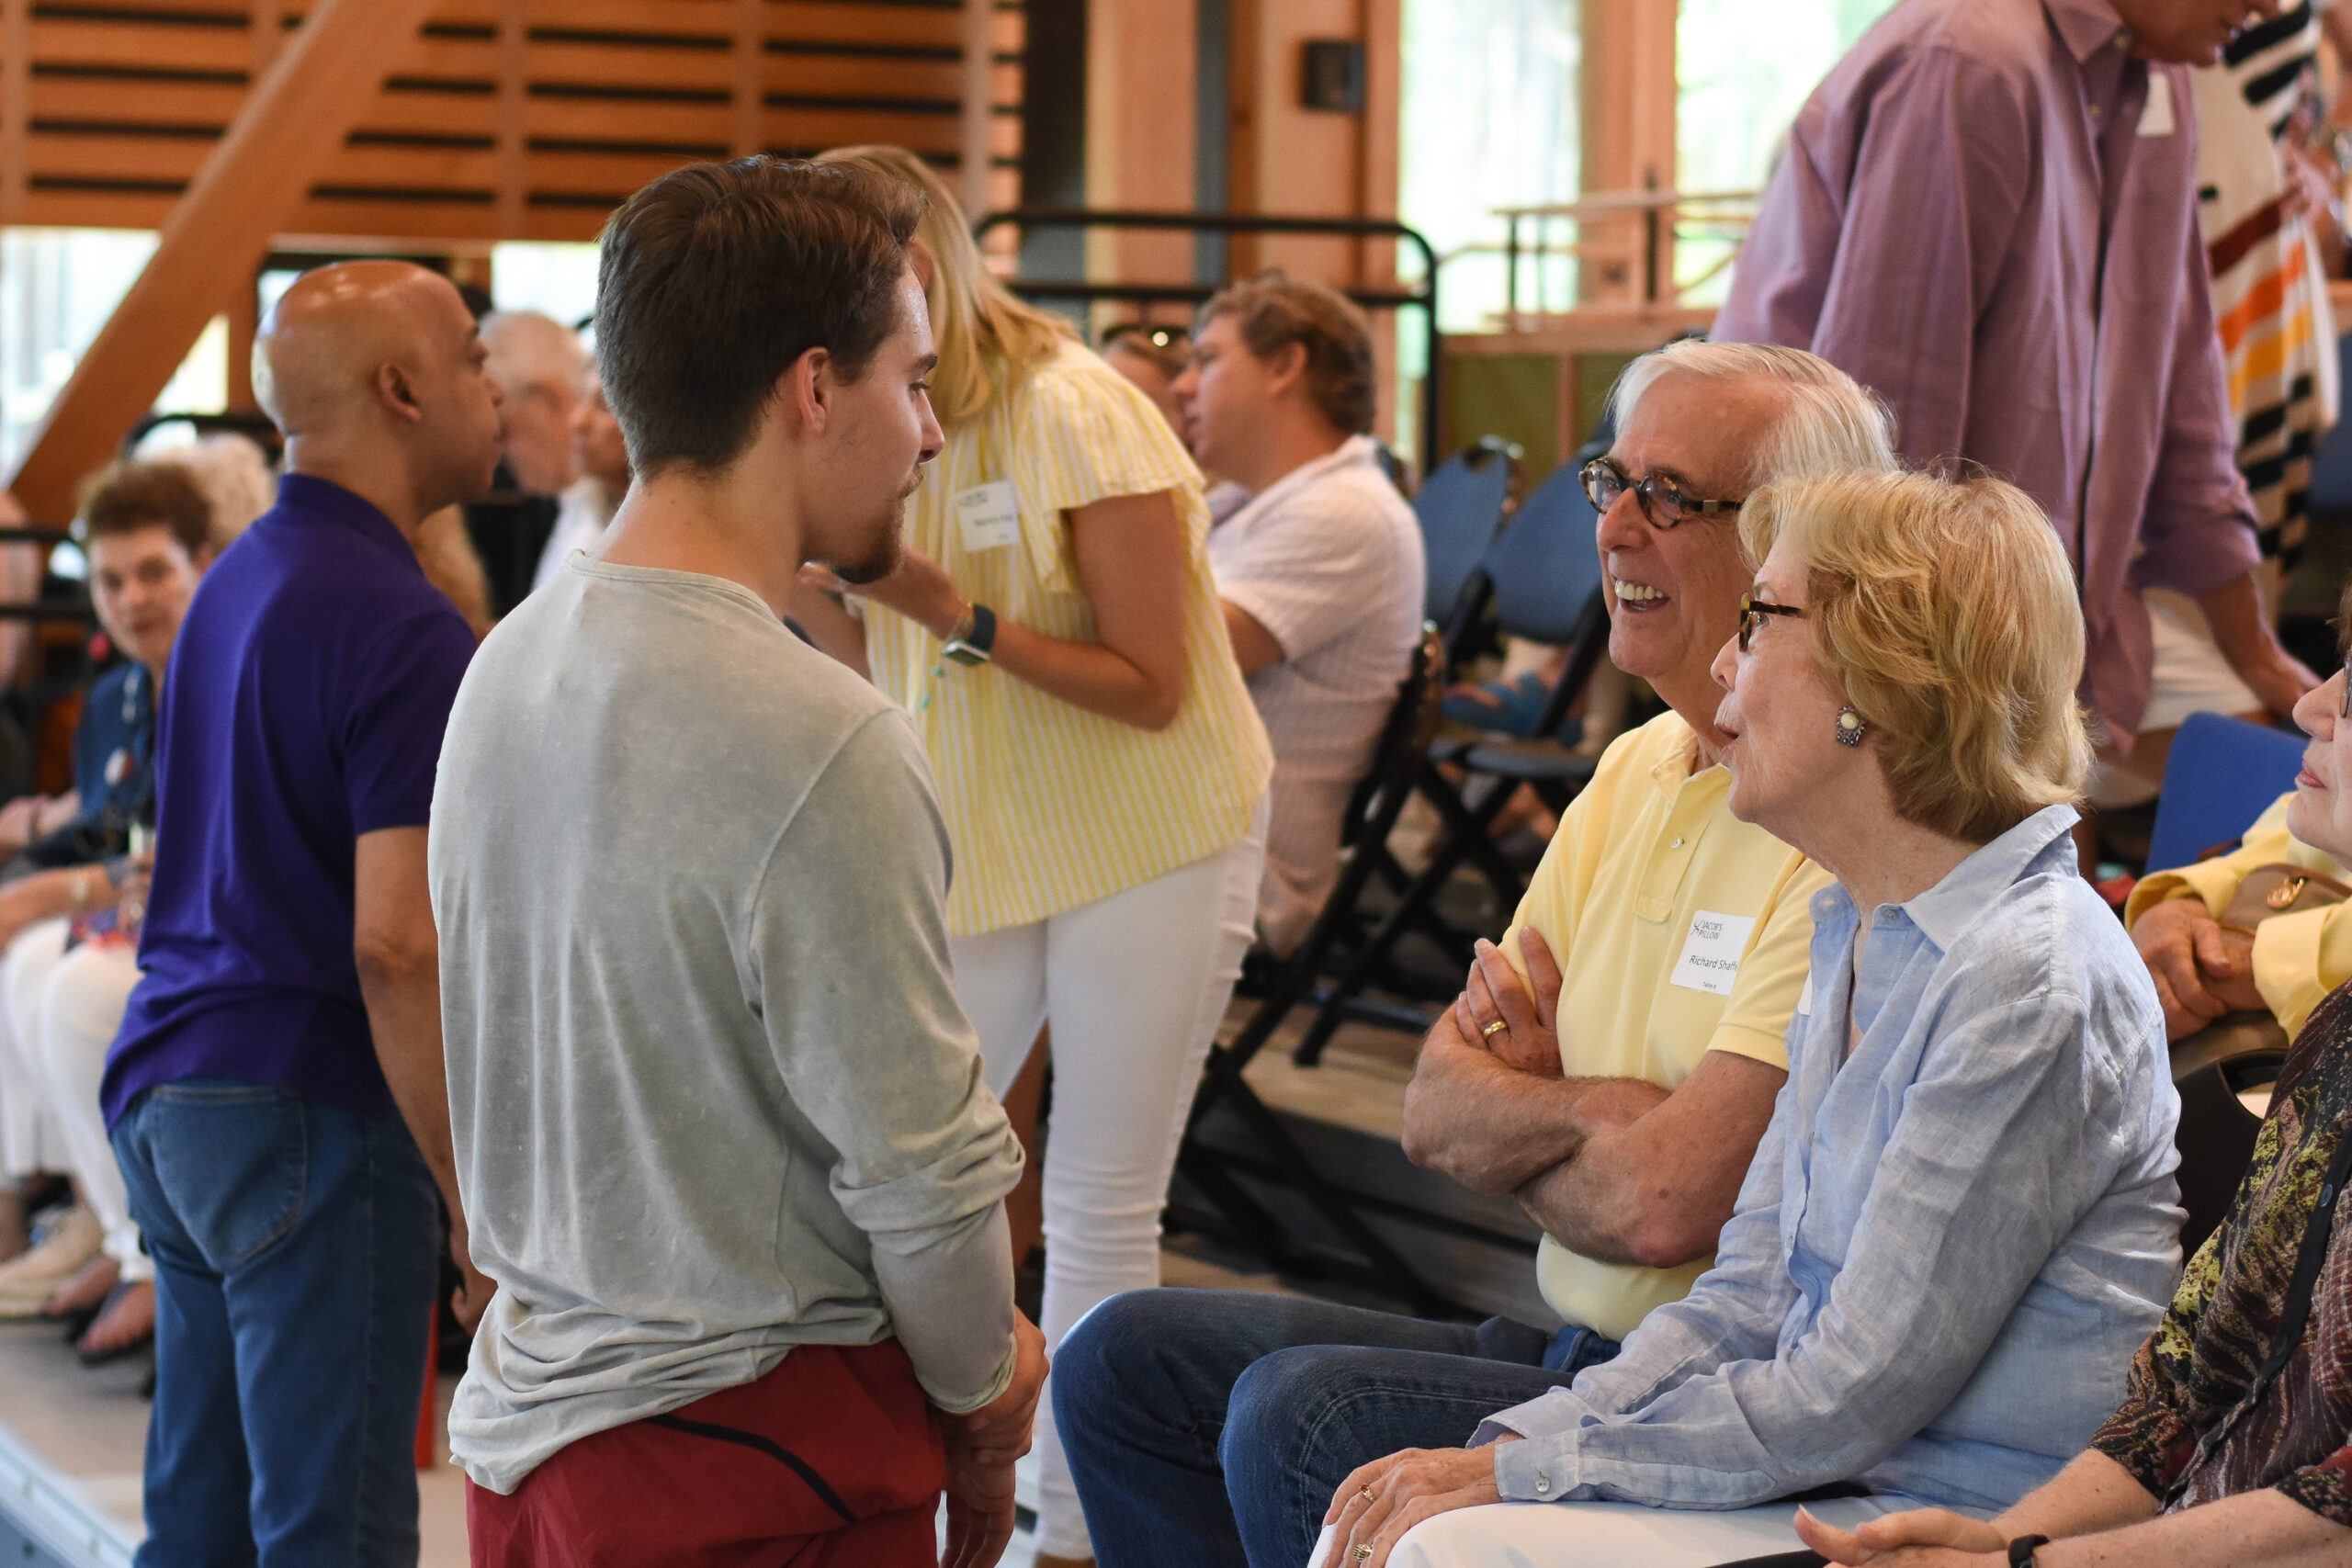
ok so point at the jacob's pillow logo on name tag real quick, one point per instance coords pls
(1710, 960)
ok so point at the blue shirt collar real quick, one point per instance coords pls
(1943, 911)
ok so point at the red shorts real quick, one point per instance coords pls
(833, 1458)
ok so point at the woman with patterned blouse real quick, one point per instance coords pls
(2209, 1461)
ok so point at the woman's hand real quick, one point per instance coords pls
(921, 589)
(1923, 1538)
(1529, 1039)
(1374, 1507)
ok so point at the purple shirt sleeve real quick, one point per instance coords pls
(2196, 533)
(392, 742)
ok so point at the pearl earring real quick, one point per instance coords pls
(1850, 728)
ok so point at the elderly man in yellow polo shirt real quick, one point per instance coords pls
(1621, 1104)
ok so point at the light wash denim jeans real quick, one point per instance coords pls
(296, 1252)
(1209, 1429)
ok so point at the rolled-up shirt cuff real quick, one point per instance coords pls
(1555, 1410)
(1534, 1470)
(2200, 558)
(963, 1404)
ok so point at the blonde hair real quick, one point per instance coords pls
(1946, 610)
(1834, 425)
(987, 339)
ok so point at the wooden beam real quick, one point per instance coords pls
(1628, 102)
(748, 101)
(245, 326)
(264, 35)
(1142, 73)
(977, 104)
(15, 96)
(321, 84)
(512, 178)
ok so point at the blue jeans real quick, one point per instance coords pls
(1211, 1427)
(296, 1254)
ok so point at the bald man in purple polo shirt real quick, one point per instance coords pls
(276, 1099)
(1987, 213)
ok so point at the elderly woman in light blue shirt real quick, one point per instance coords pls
(1961, 1223)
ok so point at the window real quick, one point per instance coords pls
(1743, 71)
(557, 280)
(57, 289)
(1489, 119)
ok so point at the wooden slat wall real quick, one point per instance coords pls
(515, 118)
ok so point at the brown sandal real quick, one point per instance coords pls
(132, 1299)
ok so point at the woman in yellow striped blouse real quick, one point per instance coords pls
(1056, 634)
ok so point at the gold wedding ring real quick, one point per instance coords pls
(1367, 1496)
(1492, 1029)
(1361, 1552)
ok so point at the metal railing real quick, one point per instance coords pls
(1420, 295)
(1662, 214)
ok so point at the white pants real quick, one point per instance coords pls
(81, 1012)
(63, 1011)
(31, 1139)
(1135, 987)
(1611, 1535)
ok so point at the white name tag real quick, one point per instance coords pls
(989, 516)
(1710, 960)
(2156, 119)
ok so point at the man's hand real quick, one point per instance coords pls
(1529, 1039)
(1924, 1537)
(2177, 939)
(2200, 970)
(2279, 678)
(1380, 1502)
(982, 1449)
(474, 1287)
(2242, 630)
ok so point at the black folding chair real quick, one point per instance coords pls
(1544, 577)
(1461, 507)
(2233, 1054)
(1372, 814)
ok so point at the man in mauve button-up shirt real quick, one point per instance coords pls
(1987, 213)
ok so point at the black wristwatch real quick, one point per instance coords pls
(974, 636)
(2021, 1550)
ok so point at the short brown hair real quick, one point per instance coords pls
(126, 496)
(1945, 609)
(1273, 312)
(715, 280)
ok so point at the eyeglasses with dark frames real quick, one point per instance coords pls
(1659, 497)
(1752, 612)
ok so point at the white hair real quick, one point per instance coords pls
(1834, 425)
(235, 478)
(529, 349)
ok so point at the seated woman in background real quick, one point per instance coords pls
(2234, 1442)
(1961, 1219)
(148, 532)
